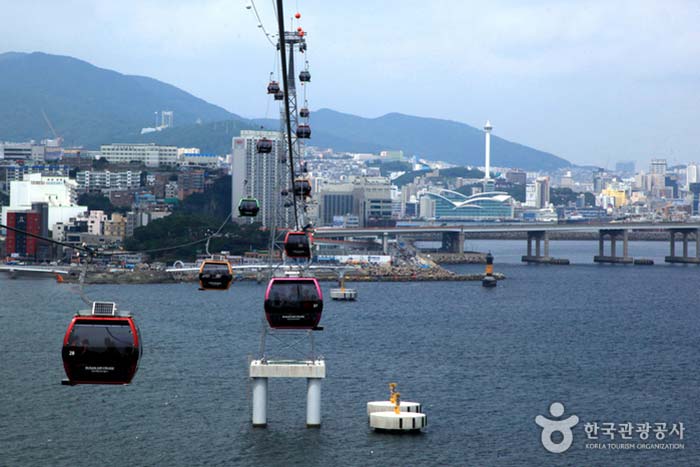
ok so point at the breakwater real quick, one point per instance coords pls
(363, 274)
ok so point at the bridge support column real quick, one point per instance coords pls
(453, 242)
(541, 239)
(313, 371)
(686, 258)
(673, 243)
(385, 243)
(614, 234)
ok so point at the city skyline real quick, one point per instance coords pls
(593, 83)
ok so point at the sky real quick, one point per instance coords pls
(595, 82)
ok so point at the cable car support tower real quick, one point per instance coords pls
(312, 366)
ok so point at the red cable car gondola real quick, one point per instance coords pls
(297, 245)
(101, 348)
(293, 303)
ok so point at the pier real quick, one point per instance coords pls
(685, 234)
(614, 235)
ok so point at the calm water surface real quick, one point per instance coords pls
(613, 343)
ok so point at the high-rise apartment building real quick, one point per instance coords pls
(659, 166)
(261, 176)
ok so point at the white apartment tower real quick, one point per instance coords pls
(261, 176)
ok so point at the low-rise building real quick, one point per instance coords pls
(148, 154)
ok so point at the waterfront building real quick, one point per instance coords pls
(33, 221)
(259, 175)
(372, 200)
(335, 200)
(450, 205)
(59, 193)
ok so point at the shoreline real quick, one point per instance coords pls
(398, 274)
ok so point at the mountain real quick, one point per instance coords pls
(214, 137)
(90, 106)
(87, 105)
(428, 138)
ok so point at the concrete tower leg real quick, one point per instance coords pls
(697, 243)
(625, 243)
(673, 243)
(313, 402)
(546, 244)
(529, 244)
(537, 246)
(685, 244)
(260, 402)
(613, 239)
(601, 244)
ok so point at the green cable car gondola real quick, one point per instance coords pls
(248, 207)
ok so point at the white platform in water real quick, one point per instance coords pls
(288, 369)
(404, 421)
(388, 406)
(344, 294)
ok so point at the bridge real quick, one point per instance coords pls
(453, 237)
(15, 270)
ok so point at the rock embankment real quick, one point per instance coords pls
(403, 273)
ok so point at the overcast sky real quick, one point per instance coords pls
(594, 82)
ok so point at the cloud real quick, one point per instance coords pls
(541, 69)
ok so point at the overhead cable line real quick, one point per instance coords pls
(285, 83)
(260, 23)
(92, 252)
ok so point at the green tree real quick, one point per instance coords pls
(100, 164)
(562, 196)
(98, 202)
